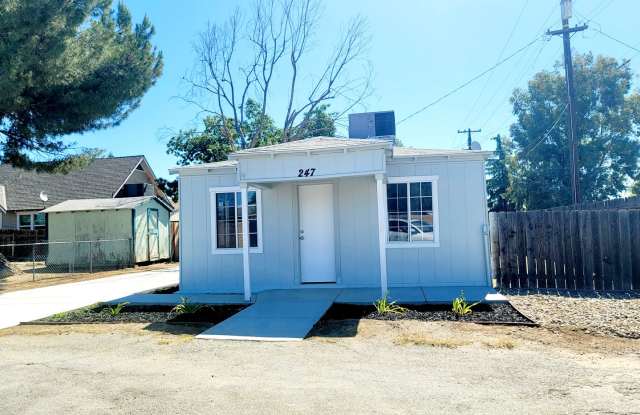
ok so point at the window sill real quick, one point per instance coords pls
(235, 251)
(432, 244)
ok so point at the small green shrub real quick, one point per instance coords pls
(116, 309)
(461, 307)
(186, 307)
(383, 306)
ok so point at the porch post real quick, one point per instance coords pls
(381, 193)
(245, 242)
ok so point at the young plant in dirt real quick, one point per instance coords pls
(186, 307)
(461, 307)
(116, 309)
(383, 306)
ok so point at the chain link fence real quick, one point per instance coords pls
(41, 260)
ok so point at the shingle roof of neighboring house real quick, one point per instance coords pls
(101, 204)
(102, 178)
(314, 144)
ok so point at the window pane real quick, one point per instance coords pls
(24, 221)
(415, 204)
(425, 188)
(251, 198)
(402, 190)
(422, 228)
(392, 205)
(253, 240)
(392, 190)
(39, 219)
(415, 189)
(426, 203)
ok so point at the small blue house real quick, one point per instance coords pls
(334, 212)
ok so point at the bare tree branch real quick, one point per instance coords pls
(277, 38)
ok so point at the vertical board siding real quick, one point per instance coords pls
(564, 249)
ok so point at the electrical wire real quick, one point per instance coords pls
(545, 135)
(484, 87)
(475, 78)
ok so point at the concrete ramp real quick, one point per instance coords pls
(276, 315)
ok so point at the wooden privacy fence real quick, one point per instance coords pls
(579, 249)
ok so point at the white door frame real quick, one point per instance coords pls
(332, 235)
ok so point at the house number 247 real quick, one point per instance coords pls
(306, 173)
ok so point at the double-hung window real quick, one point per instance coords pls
(412, 211)
(226, 220)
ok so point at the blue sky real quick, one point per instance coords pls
(420, 50)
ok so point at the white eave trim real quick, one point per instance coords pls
(332, 149)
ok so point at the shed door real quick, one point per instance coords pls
(153, 236)
(317, 238)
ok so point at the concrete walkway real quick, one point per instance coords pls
(289, 315)
(28, 305)
(278, 315)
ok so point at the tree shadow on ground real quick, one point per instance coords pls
(177, 328)
(335, 328)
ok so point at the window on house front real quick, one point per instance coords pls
(411, 211)
(228, 219)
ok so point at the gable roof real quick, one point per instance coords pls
(314, 144)
(101, 204)
(102, 178)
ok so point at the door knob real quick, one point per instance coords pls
(301, 237)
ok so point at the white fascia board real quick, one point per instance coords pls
(374, 146)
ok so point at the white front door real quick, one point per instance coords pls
(316, 233)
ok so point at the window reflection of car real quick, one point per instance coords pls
(420, 230)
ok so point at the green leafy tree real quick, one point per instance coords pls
(68, 66)
(217, 139)
(498, 184)
(169, 187)
(635, 188)
(608, 116)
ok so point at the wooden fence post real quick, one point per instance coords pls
(625, 249)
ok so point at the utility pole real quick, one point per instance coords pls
(468, 132)
(565, 11)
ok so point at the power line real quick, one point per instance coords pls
(480, 75)
(617, 40)
(484, 87)
(545, 135)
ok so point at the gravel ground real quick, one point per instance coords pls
(372, 367)
(603, 314)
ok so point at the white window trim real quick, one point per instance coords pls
(436, 220)
(212, 209)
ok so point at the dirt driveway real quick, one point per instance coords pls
(348, 367)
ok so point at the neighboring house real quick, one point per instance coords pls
(126, 230)
(333, 212)
(28, 192)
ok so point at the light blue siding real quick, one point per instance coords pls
(458, 260)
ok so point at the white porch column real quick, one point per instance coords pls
(245, 242)
(381, 193)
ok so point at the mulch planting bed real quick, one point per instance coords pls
(142, 314)
(482, 313)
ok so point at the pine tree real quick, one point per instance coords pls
(498, 183)
(67, 67)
